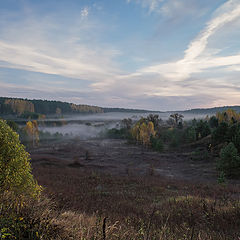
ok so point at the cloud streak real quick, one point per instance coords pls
(48, 47)
(196, 56)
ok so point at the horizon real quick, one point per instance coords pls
(156, 55)
(148, 110)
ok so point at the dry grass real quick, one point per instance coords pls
(140, 208)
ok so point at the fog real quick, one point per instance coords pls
(93, 125)
(83, 131)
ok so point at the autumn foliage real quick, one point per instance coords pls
(15, 169)
(142, 131)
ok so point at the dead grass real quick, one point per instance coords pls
(140, 207)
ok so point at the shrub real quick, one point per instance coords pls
(118, 133)
(15, 169)
(234, 135)
(229, 162)
(190, 135)
(219, 135)
(157, 144)
(202, 129)
(213, 122)
(176, 137)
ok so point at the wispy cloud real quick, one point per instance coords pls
(197, 57)
(152, 5)
(173, 9)
(84, 12)
(50, 46)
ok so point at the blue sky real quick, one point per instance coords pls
(148, 54)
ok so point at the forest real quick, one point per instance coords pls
(35, 109)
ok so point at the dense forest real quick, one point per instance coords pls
(35, 108)
(211, 111)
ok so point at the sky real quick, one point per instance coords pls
(145, 54)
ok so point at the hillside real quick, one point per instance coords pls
(210, 111)
(27, 107)
(17, 106)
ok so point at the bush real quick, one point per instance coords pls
(202, 129)
(118, 133)
(157, 144)
(234, 135)
(213, 122)
(15, 169)
(229, 162)
(219, 135)
(189, 135)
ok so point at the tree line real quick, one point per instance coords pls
(34, 109)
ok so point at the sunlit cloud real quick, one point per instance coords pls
(48, 47)
(195, 59)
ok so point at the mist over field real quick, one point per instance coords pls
(94, 125)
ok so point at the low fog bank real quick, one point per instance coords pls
(82, 131)
(95, 125)
(118, 116)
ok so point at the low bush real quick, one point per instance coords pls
(202, 129)
(118, 133)
(219, 135)
(157, 144)
(229, 162)
(189, 135)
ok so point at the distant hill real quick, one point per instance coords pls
(18, 106)
(210, 111)
(128, 110)
(26, 108)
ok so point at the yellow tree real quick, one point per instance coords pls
(146, 132)
(135, 131)
(142, 131)
(32, 131)
(228, 116)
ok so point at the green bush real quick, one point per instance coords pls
(157, 144)
(176, 137)
(229, 162)
(234, 135)
(118, 133)
(202, 129)
(213, 122)
(189, 135)
(219, 135)
(15, 169)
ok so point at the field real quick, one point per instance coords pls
(110, 189)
